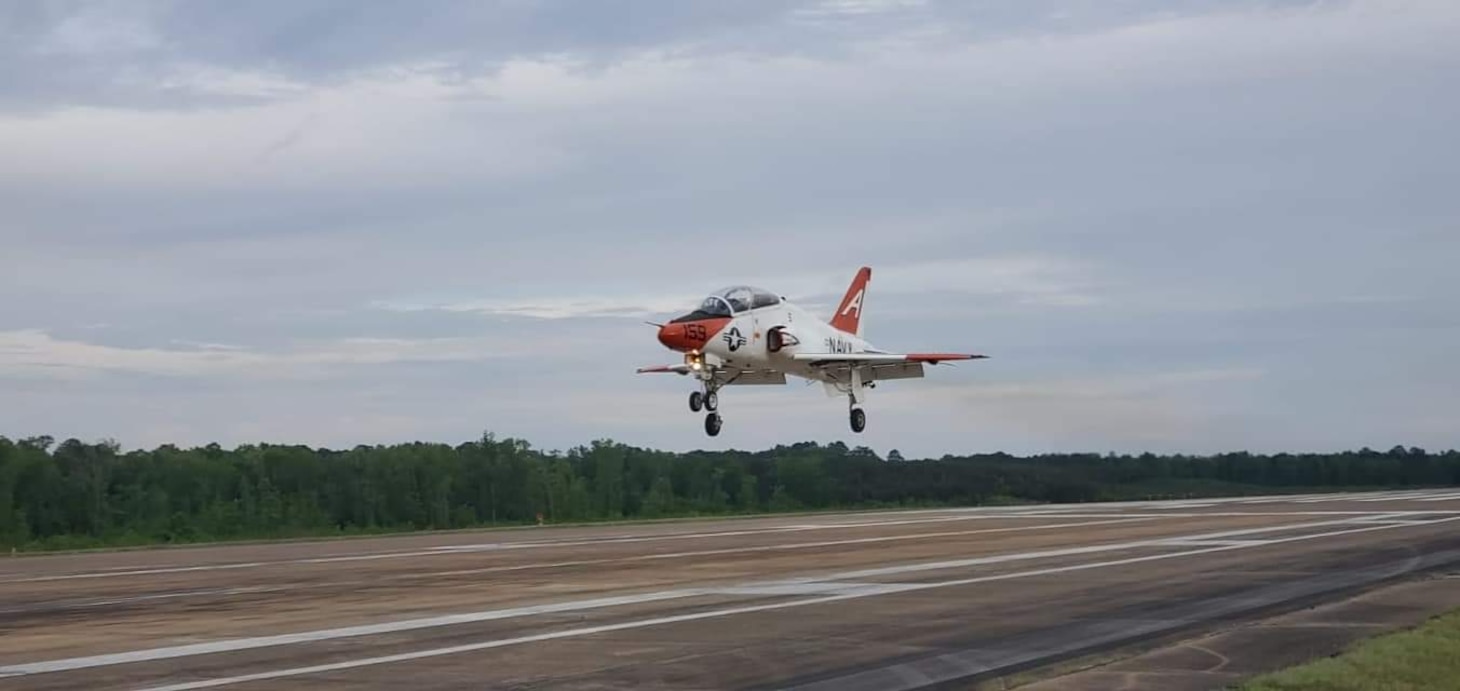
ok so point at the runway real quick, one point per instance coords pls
(873, 600)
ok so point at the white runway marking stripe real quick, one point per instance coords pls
(1214, 543)
(756, 548)
(137, 572)
(858, 520)
(1393, 496)
(445, 550)
(232, 645)
(1077, 551)
(449, 620)
(458, 549)
(132, 599)
(513, 568)
(485, 645)
(660, 621)
(1115, 518)
(237, 644)
(679, 555)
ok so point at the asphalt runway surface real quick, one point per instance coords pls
(884, 600)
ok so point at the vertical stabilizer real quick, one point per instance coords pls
(848, 317)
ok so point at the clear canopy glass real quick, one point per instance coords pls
(737, 299)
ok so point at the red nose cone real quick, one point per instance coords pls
(670, 336)
(690, 335)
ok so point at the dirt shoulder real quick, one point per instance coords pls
(1226, 658)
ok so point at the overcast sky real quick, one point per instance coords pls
(1195, 225)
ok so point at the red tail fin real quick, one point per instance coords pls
(848, 317)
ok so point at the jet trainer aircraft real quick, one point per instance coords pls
(744, 335)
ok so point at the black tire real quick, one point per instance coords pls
(713, 424)
(696, 401)
(712, 401)
(859, 420)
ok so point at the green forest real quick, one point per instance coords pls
(77, 494)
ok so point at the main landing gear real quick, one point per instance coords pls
(709, 400)
(856, 396)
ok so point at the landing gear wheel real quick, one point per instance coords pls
(712, 401)
(859, 420)
(712, 424)
(696, 401)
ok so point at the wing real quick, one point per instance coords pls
(664, 369)
(820, 359)
(733, 376)
(879, 366)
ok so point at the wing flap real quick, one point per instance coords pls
(878, 366)
(724, 376)
(842, 371)
(750, 377)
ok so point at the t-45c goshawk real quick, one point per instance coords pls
(744, 335)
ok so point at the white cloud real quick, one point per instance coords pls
(557, 307)
(1033, 280)
(396, 129)
(33, 352)
(1129, 198)
(208, 80)
(409, 124)
(834, 8)
(1161, 409)
(103, 29)
(1103, 387)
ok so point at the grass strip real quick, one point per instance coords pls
(1425, 657)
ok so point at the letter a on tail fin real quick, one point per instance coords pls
(848, 317)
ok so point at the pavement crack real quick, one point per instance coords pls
(1222, 660)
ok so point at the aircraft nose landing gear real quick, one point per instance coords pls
(859, 420)
(708, 399)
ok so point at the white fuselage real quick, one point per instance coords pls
(746, 341)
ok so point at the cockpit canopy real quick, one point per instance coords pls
(737, 299)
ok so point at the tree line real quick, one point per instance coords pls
(78, 494)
